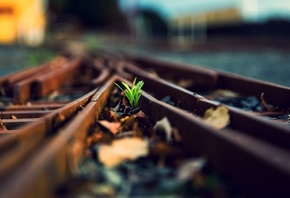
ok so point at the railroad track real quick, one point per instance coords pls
(48, 111)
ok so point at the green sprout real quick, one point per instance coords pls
(134, 93)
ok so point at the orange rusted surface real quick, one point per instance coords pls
(58, 154)
(42, 148)
(48, 82)
(15, 147)
(31, 107)
(22, 114)
(8, 82)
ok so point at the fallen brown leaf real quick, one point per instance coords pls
(128, 123)
(152, 73)
(2, 126)
(217, 118)
(140, 114)
(143, 121)
(99, 138)
(121, 150)
(187, 171)
(185, 83)
(113, 127)
(266, 105)
(176, 135)
(2, 91)
(53, 95)
(163, 129)
(117, 107)
(225, 93)
(109, 115)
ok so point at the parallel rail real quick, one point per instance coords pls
(50, 109)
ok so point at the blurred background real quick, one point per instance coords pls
(246, 37)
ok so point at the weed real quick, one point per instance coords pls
(134, 93)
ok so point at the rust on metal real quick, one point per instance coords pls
(49, 110)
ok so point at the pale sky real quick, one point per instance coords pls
(255, 9)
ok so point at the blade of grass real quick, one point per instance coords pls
(119, 87)
(132, 94)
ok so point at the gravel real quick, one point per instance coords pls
(17, 58)
(272, 65)
(268, 65)
(12, 59)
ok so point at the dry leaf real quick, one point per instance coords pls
(176, 135)
(121, 150)
(140, 114)
(266, 105)
(188, 169)
(53, 95)
(117, 107)
(109, 115)
(128, 123)
(218, 118)
(185, 83)
(2, 126)
(153, 73)
(225, 93)
(144, 123)
(113, 127)
(2, 91)
(99, 138)
(163, 129)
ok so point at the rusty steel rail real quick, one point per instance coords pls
(197, 104)
(45, 136)
(45, 117)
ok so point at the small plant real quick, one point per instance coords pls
(134, 93)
